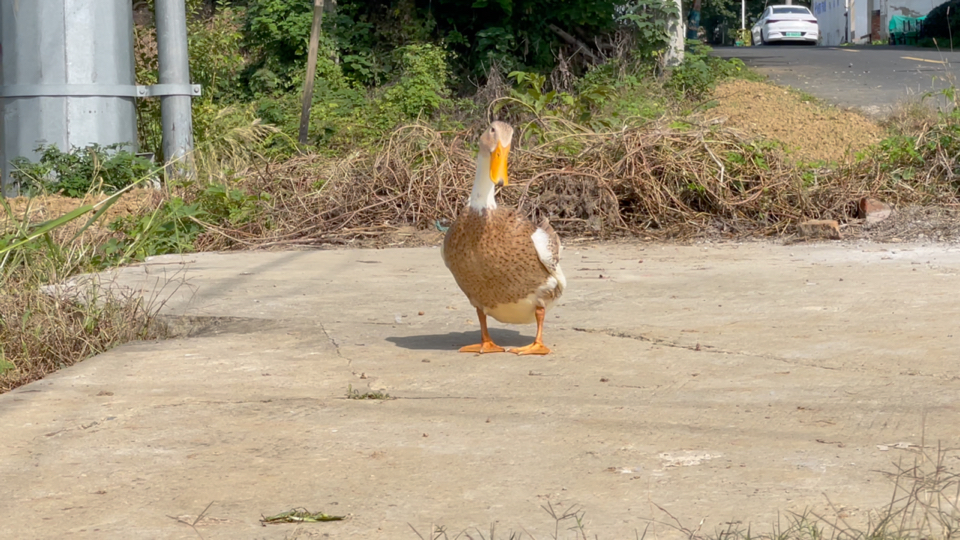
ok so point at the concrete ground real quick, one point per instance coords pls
(711, 384)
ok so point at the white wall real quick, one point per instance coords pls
(830, 17)
(905, 8)
(859, 21)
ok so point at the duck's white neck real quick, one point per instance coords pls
(482, 196)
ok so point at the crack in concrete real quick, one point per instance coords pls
(434, 397)
(699, 347)
(236, 402)
(333, 342)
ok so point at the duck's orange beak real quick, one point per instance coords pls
(498, 165)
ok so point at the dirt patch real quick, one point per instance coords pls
(46, 207)
(812, 131)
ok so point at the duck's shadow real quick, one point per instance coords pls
(455, 340)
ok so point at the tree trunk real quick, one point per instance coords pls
(311, 70)
(336, 50)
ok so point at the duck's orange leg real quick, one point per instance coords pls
(486, 344)
(537, 347)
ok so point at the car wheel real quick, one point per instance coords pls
(762, 40)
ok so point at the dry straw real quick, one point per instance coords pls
(655, 180)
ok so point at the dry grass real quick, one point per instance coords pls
(43, 325)
(926, 499)
(655, 180)
(43, 331)
(913, 114)
(924, 505)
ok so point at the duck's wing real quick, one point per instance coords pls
(548, 246)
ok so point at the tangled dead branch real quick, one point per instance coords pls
(655, 180)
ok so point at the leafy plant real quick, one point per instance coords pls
(176, 224)
(171, 228)
(649, 20)
(532, 98)
(279, 29)
(424, 76)
(699, 72)
(229, 205)
(216, 59)
(530, 92)
(495, 46)
(82, 170)
(353, 393)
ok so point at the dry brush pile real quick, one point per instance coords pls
(42, 331)
(655, 180)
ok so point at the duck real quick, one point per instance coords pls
(508, 267)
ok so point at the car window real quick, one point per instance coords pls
(791, 9)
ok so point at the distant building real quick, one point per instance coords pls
(832, 18)
(863, 21)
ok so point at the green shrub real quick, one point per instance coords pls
(216, 63)
(699, 72)
(649, 20)
(172, 228)
(943, 22)
(423, 85)
(176, 224)
(345, 114)
(82, 170)
(216, 59)
(278, 31)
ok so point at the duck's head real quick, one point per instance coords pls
(495, 145)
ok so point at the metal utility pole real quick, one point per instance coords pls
(67, 78)
(311, 70)
(174, 88)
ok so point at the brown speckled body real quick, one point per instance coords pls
(493, 258)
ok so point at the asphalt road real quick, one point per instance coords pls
(871, 78)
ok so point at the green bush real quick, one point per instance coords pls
(424, 79)
(216, 59)
(699, 72)
(176, 224)
(82, 170)
(344, 113)
(278, 32)
(649, 20)
(943, 22)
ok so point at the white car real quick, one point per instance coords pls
(786, 23)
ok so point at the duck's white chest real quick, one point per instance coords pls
(524, 310)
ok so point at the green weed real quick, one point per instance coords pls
(353, 393)
(81, 170)
(699, 72)
(44, 325)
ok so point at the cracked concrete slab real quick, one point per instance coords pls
(709, 383)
